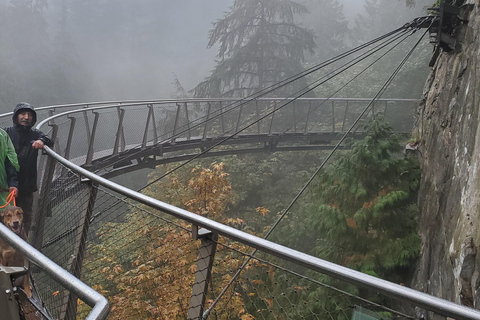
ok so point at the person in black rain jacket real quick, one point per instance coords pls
(27, 141)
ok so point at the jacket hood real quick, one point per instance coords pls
(24, 106)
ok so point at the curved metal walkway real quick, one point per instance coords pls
(96, 230)
(117, 137)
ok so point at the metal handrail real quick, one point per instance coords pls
(114, 103)
(423, 300)
(99, 303)
(69, 110)
(58, 273)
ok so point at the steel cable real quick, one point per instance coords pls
(285, 211)
(239, 103)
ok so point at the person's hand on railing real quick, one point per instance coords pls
(38, 144)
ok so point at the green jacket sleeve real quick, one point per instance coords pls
(8, 157)
(11, 154)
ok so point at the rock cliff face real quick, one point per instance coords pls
(448, 128)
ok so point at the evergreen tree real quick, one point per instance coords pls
(8, 65)
(330, 27)
(33, 67)
(73, 80)
(364, 212)
(25, 45)
(259, 45)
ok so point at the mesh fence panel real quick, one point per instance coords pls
(271, 288)
(146, 263)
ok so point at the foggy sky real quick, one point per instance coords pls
(178, 48)
(183, 52)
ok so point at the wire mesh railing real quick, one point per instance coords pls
(147, 263)
(156, 261)
(110, 136)
(18, 304)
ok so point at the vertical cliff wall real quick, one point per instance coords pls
(448, 128)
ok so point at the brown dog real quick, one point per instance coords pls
(12, 217)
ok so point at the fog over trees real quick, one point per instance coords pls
(65, 51)
(259, 46)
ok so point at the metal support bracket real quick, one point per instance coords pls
(206, 255)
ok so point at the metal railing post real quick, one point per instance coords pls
(91, 141)
(206, 255)
(273, 117)
(222, 119)
(43, 202)
(73, 120)
(294, 117)
(189, 134)
(120, 136)
(87, 124)
(237, 126)
(205, 128)
(75, 263)
(308, 116)
(345, 116)
(175, 126)
(258, 115)
(333, 116)
(150, 117)
(8, 303)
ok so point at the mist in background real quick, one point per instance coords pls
(69, 51)
(135, 49)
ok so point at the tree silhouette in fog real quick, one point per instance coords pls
(259, 45)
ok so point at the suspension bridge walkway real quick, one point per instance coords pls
(159, 132)
(99, 249)
(84, 222)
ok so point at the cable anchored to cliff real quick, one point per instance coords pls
(446, 20)
(274, 87)
(394, 35)
(287, 209)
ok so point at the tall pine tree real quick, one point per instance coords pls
(328, 22)
(259, 45)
